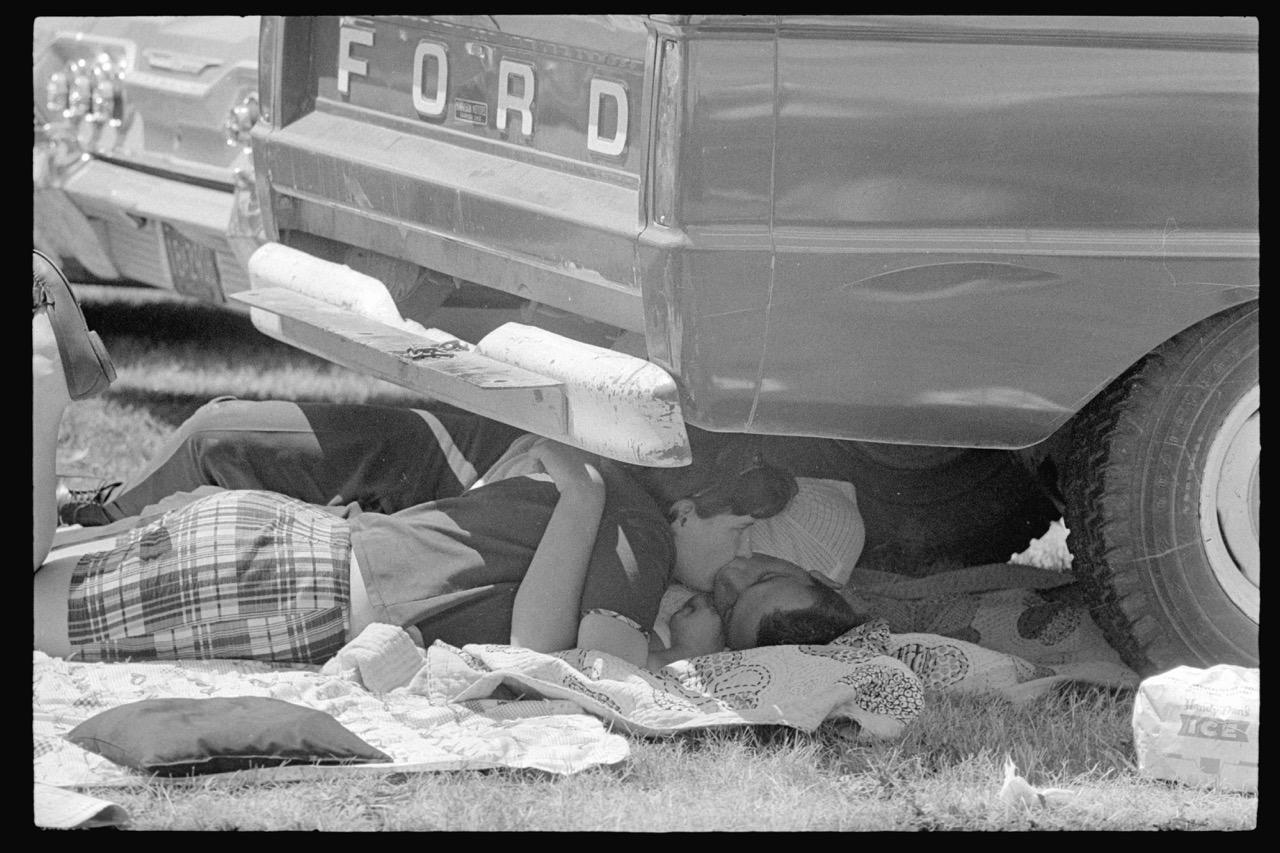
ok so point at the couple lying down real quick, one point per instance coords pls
(327, 518)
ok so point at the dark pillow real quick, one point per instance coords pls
(184, 737)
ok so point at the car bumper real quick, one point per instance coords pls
(605, 402)
(122, 223)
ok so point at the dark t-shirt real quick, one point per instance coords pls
(451, 567)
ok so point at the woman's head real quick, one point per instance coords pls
(711, 516)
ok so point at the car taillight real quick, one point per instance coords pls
(107, 100)
(56, 91)
(87, 90)
(79, 90)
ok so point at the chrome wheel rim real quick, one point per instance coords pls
(1230, 504)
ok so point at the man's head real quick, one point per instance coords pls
(765, 601)
(711, 520)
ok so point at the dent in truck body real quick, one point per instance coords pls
(852, 195)
(961, 364)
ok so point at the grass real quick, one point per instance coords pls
(942, 774)
(173, 356)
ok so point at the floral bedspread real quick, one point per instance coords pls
(1013, 629)
(478, 707)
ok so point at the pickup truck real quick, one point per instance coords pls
(968, 253)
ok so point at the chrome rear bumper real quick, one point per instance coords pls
(112, 219)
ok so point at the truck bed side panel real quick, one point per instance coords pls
(975, 230)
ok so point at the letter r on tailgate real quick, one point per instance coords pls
(507, 101)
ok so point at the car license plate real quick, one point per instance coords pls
(192, 268)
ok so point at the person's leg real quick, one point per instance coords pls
(384, 458)
(49, 397)
(234, 444)
(388, 459)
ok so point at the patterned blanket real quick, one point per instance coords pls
(478, 707)
(1015, 629)
(549, 735)
(484, 706)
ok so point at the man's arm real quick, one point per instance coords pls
(544, 616)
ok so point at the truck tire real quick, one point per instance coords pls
(1161, 487)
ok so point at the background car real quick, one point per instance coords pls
(140, 163)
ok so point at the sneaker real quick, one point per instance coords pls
(85, 507)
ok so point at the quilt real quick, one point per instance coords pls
(478, 707)
(488, 706)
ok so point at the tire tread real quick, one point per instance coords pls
(1106, 439)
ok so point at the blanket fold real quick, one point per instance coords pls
(798, 686)
(56, 808)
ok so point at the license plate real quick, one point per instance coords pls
(192, 268)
